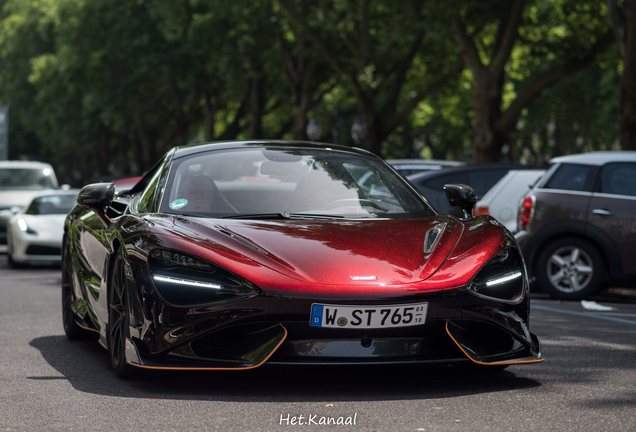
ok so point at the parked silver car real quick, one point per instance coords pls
(502, 200)
(20, 181)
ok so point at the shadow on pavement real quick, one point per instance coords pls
(86, 366)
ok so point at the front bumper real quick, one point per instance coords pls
(246, 334)
(30, 249)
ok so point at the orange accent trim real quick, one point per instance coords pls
(213, 368)
(86, 328)
(488, 364)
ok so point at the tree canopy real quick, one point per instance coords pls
(102, 88)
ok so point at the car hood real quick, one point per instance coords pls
(334, 252)
(46, 227)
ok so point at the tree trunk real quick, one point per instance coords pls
(146, 144)
(627, 111)
(209, 117)
(301, 108)
(372, 134)
(627, 98)
(257, 105)
(489, 79)
(487, 141)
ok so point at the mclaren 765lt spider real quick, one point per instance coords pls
(233, 255)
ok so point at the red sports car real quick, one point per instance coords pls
(236, 254)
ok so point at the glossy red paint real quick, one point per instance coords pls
(317, 258)
(126, 183)
(289, 265)
(459, 269)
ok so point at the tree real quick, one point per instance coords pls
(487, 51)
(305, 72)
(622, 17)
(374, 46)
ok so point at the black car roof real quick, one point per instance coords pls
(478, 167)
(183, 151)
(204, 147)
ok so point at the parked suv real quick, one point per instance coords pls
(578, 224)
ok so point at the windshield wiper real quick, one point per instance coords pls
(283, 215)
(257, 216)
(311, 216)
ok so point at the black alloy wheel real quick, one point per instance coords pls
(570, 269)
(118, 319)
(71, 328)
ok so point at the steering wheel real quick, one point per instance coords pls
(338, 203)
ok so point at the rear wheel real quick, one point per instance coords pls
(71, 328)
(119, 319)
(570, 269)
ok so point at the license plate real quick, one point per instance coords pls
(366, 317)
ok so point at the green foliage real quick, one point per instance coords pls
(106, 86)
(576, 116)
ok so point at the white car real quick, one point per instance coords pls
(502, 200)
(35, 235)
(20, 181)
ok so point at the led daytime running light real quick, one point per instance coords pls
(22, 224)
(24, 227)
(187, 282)
(503, 279)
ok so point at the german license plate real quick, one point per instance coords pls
(366, 317)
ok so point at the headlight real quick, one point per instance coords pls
(184, 280)
(502, 278)
(24, 227)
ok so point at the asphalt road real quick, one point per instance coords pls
(48, 383)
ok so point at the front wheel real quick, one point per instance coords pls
(570, 269)
(119, 319)
(12, 263)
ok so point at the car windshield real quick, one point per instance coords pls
(280, 183)
(26, 179)
(52, 204)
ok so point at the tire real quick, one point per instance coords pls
(12, 263)
(570, 269)
(119, 319)
(71, 328)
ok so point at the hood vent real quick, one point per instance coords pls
(242, 240)
(432, 237)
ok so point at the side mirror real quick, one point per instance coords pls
(462, 196)
(96, 197)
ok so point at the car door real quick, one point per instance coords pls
(613, 209)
